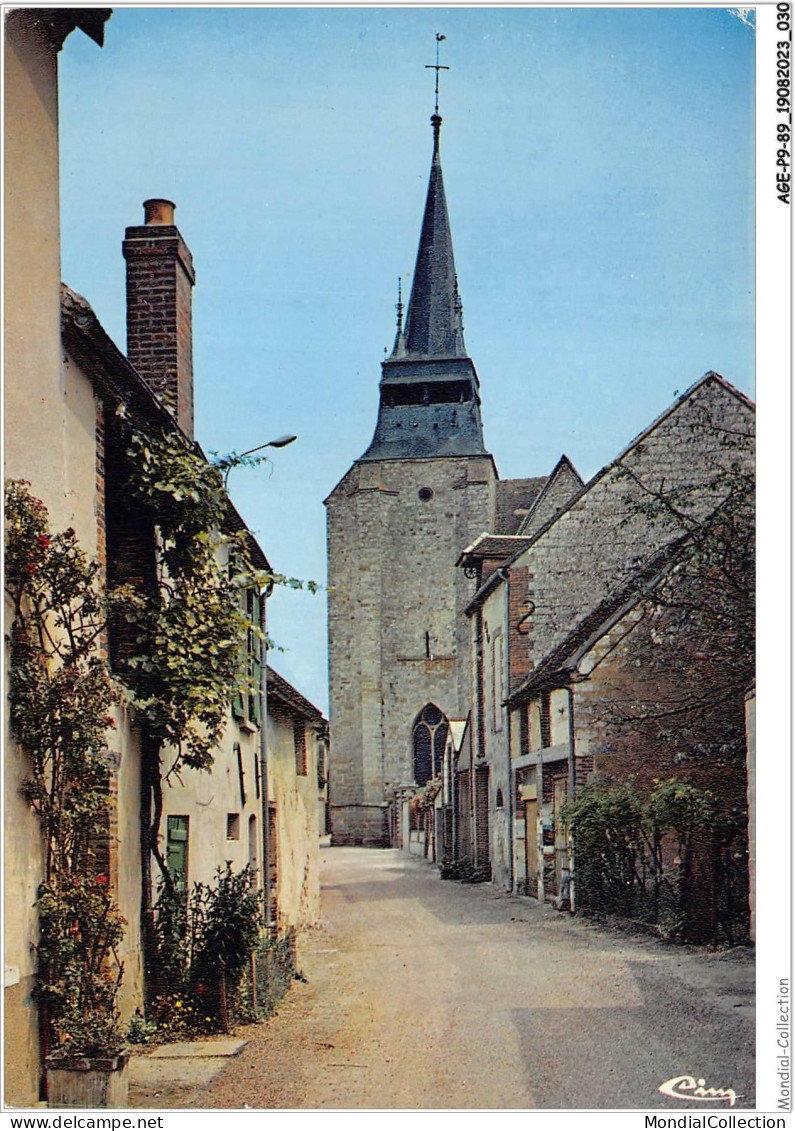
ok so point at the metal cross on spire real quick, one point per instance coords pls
(437, 67)
(399, 308)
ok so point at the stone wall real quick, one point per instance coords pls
(607, 533)
(563, 485)
(395, 630)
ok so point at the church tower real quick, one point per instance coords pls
(423, 490)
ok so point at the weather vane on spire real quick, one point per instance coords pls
(437, 67)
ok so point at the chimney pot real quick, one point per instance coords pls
(158, 211)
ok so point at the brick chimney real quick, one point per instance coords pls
(160, 277)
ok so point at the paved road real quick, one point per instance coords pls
(426, 993)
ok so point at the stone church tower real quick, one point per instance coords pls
(423, 490)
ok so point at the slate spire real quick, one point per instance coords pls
(433, 323)
(429, 403)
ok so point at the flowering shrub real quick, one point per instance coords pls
(203, 939)
(425, 796)
(60, 702)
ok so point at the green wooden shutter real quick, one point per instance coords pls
(238, 703)
(256, 660)
(177, 850)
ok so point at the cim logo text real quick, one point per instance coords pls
(690, 1088)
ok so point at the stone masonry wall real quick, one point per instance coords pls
(560, 489)
(600, 541)
(397, 640)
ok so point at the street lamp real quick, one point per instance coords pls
(234, 458)
(226, 465)
(279, 442)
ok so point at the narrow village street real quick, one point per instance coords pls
(426, 993)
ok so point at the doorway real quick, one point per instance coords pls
(531, 846)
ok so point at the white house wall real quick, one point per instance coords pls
(208, 799)
(496, 732)
(295, 797)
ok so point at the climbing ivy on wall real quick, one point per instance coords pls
(188, 663)
(185, 664)
(188, 659)
(184, 660)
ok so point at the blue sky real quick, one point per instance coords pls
(598, 165)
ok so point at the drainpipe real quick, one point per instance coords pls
(263, 761)
(453, 786)
(478, 746)
(506, 577)
(572, 785)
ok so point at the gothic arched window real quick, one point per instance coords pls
(428, 742)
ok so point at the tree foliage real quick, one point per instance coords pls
(636, 851)
(187, 661)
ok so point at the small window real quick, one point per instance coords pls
(233, 826)
(253, 844)
(499, 802)
(426, 494)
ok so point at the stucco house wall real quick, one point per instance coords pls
(495, 726)
(32, 278)
(294, 795)
(53, 448)
(218, 811)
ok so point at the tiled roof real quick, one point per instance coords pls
(593, 625)
(279, 688)
(515, 497)
(492, 548)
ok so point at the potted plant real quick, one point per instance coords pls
(91, 1070)
(79, 983)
